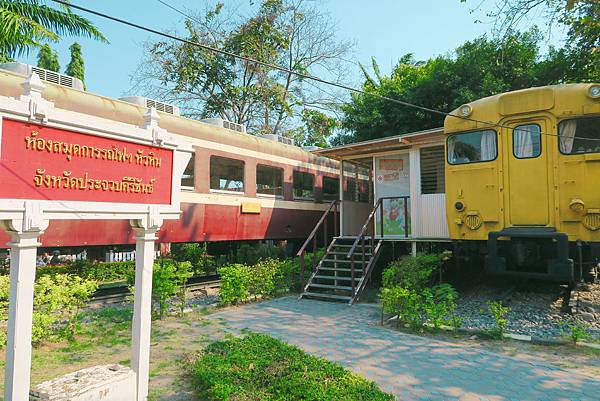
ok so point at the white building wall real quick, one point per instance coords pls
(428, 211)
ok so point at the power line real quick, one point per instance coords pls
(280, 68)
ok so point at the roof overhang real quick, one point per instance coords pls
(387, 144)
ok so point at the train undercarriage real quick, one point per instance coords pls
(532, 253)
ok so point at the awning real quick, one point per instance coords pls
(390, 143)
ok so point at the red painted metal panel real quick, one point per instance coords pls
(199, 222)
(38, 162)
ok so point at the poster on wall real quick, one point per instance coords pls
(393, 181)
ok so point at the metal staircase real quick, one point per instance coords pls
(342, 273)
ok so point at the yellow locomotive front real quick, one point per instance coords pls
(523, 179)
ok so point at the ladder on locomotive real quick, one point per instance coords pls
(345, 269)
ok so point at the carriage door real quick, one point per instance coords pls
(528, 197)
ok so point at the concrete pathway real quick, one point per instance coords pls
(411, 367)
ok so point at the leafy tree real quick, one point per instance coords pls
(317, 128)
(75, 67)
(479, 68)
(48, 59)
(290, 33)
(24, 24)
(581, 17)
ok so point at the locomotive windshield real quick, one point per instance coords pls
(579, 135)
(472, 147)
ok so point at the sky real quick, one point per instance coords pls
(384, 29)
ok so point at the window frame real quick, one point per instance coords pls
(443, 170)
(513, 141)
(226, 191)
(303, 198)
(558, 135)
(472, 132)
(282, 170)
(187, 187)
(337, 186)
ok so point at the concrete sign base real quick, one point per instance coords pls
(98, 383)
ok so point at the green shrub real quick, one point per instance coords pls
(196, 254)
(500, 315)
(577, 332)
(183, 272)
(262, 278)
(404, 303)
(168, 277)
(412, 272)
(100, 272)
(56, 304)
(234, 284)
(251, 254)
(259, 367)
(439, 304)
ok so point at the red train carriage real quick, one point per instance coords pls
(236, 187)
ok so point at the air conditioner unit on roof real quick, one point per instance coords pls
(219, 122)
(45, 75)
(279, 138)
(145, 102)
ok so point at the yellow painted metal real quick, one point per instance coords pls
(528, 184)
(508, 191)
(251, 207)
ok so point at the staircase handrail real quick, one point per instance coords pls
(317, 226)
(363, 231)
(313, 237)
(379, 204)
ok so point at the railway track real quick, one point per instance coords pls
(119, 293)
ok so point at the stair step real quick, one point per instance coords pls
(332, 287)
(367, 245)
(345, 261)
(323, 295)
(339, 269)
(346, 253)
(340, 278)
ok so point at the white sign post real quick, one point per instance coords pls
(25, 219)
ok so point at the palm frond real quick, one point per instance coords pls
(24, 23)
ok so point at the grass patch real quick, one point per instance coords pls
(257, 367)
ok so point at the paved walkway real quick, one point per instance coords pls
(412, 367)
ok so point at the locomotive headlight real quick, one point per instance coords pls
(594, 91)
(577, 205)
(465, 110)
(459, 206)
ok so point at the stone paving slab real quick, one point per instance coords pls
(411, 367)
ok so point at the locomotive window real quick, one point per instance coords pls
(581, 135)
(527, 141)
(187, 179)
(472, 147)
(269, 180)
(304, 185)
(331, 188)
(226, 174)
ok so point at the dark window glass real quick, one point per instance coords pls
(226, 174)
(580, 135)
(187, 179)
(269, 180)
(331, 188)
(527, 141)
(472, 147)
(433, 180)
(356, 190)
(304, 185)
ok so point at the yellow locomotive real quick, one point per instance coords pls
(523, 179)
